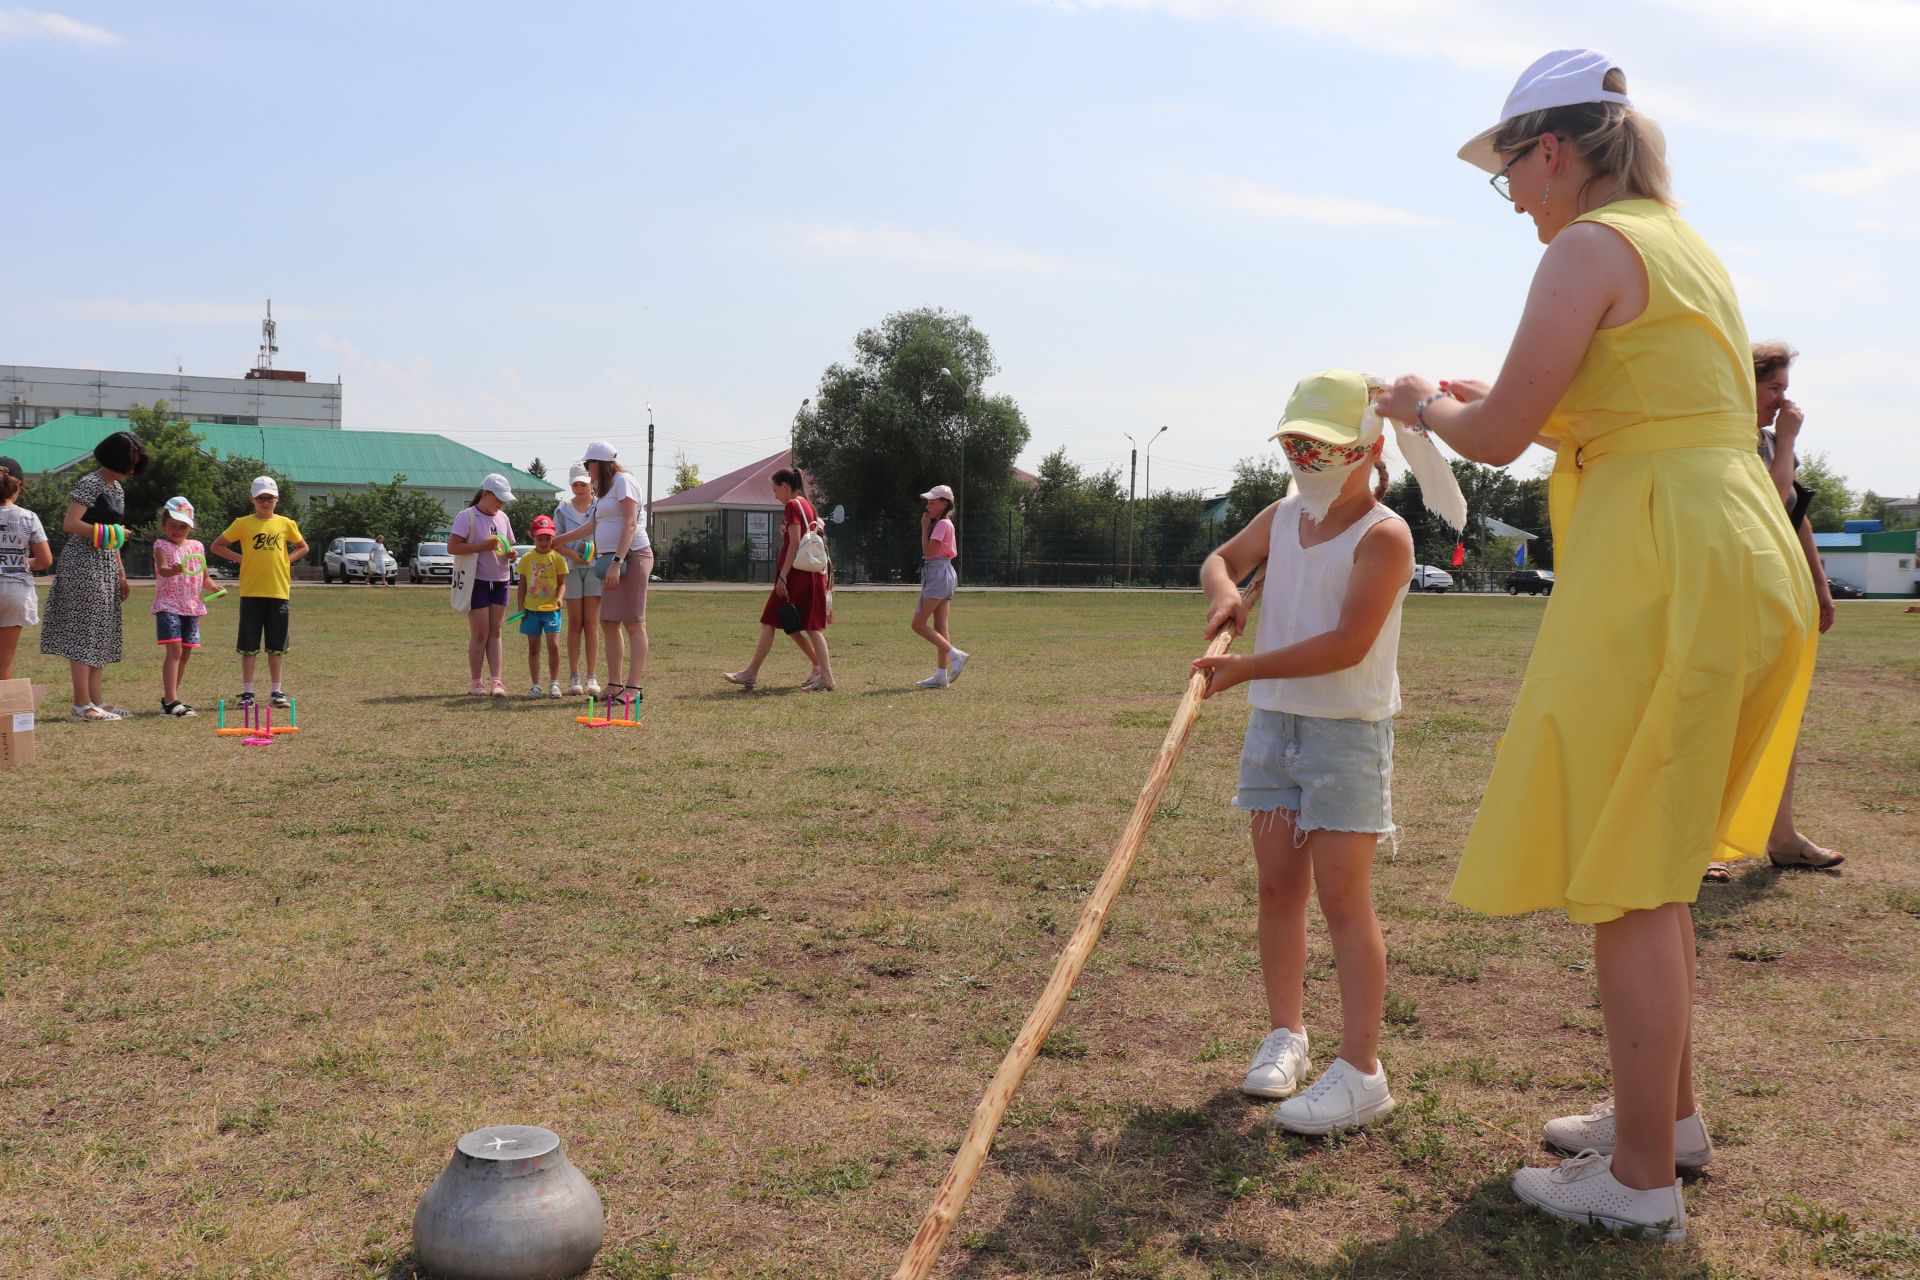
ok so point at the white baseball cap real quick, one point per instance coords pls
(940, 491)
(1563, 78)
(601, 451)
(496, 484)
(577, 474)
(179, 509)
(265, 484)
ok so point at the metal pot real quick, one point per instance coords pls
(510, 1206)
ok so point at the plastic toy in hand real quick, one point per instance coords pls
(109, 537)
(500, 546)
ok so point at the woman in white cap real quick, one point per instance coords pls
(483, 531)
(575, 511)
(623, 560)
(938, 548)
(1657, 717)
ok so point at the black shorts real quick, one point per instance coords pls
(258, 614)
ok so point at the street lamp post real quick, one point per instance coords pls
(793, 429)
(1147, 500)
(1133, 469)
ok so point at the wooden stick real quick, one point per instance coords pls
(952, 1196)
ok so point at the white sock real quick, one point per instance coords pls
(247, 687)
(277, 688)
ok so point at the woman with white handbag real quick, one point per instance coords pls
(801, 602)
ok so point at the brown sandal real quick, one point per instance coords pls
(1717, 873)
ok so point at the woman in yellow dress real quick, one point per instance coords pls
(1659, 709)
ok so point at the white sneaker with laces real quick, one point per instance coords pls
(593, 685)
(1279, 1065)
(573, 685)
(956, 663)
(1343, 1098)
(536, 691)
(938, 680)
(1692, 1148)
(1584, 1189)
(553, 690)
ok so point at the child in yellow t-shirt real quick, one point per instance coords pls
(268, 544)
(543, 577)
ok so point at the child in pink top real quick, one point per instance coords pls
(180, 575)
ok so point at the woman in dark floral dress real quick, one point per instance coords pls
(82, 623)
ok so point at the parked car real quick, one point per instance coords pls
(346, 559)
(1427, 577)
(1845, 590)
(1535, 582)
(513, 570)
(430, 563)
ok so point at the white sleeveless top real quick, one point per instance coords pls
(1304, 592)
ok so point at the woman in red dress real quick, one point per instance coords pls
(808, 593)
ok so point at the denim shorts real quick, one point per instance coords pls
(177, 628)
(1334, 775)
(540, 622)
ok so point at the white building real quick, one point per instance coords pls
(31, 395)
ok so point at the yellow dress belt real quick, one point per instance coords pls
(1710, 431)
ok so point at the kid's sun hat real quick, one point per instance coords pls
(496, 484)
(1563, 78)
(1330, 407)
(1335, 409)
(543, 524)
(577, 474)
(939, 491)
(265, 484)
(601, 451)
(179, 509)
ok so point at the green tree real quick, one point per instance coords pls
(527, 504)
(537, 469)
(1832, 500)
(178, 466)
(394, 511)
(1174, 525)
(686, 473)
(911, 411)
(1874, 507)
(1258, 483)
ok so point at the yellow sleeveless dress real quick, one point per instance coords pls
(1657, 718)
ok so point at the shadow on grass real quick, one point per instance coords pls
(1752, 884)
(1156, 1199)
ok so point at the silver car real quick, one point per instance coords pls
(347, 559)
(430, 563)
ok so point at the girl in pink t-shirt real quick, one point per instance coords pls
(939, 547)
(179, 578)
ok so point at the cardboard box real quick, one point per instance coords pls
(19, 700)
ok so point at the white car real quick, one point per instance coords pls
(347, 558)
(430, 563)
(1428, 577)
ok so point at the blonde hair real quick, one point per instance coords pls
(1623, 146)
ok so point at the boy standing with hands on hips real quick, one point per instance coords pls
(268, 544)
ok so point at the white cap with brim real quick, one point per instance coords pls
(1563, 78)
(179, 509)
(577, 474)
(938, 491)
(601, 451)
(496, 484)
(265, 484)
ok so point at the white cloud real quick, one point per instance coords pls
(1317, 209)
(25, 24)
(920, 248)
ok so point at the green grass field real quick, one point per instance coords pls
(756, 962)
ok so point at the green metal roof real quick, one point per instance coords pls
(311, 455)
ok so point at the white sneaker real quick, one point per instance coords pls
(938, 680)
(1692, 1148)
(536, 692)
(1585, 1190)
(573, 685)
(956, 663)
(1343, 1098)
(553, 690)
(593, 685)
(1279, 1065)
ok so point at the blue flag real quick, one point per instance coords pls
(1520, 557)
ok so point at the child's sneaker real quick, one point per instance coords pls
(536, 692)
(593, 685)
(478, 689)
(956, 663)
(499, 688)
(1585, 1190)
(553, 690)
(1343, 1098)
(244, 700)
(573, 685)
(938, 680)
(278, 700)
(1279, 1065)
(1692, 1148)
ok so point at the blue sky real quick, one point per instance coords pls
(516, 224)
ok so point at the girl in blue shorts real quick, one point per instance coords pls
(1317, 768)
